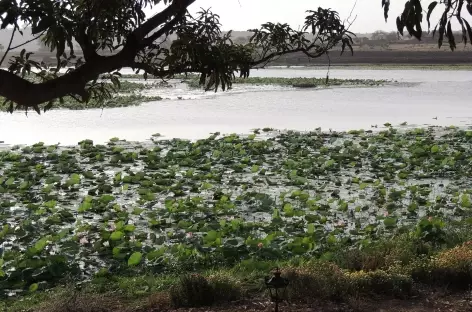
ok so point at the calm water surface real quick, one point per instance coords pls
(444, 95)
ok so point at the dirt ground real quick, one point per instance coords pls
(435, 302)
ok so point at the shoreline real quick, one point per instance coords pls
(366, 66)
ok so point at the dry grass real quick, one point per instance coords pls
(76, 302)
(350, 281)
(428, 300)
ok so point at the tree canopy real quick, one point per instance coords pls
(416, 12)
(135, 40)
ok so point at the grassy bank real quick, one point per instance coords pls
(395, 202)
(404, 268)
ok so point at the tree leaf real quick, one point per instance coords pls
(386, 6)
(442, 29)
(400, 25)
(348, 44)
(469, 29)
(43, 24)
(464, 31)
(61, 47)
(431, 7)
(450, 36)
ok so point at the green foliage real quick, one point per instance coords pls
(381, 283)
(412, 18)
(179, 206)
(135, 40)
(135, 259)
(192, 290)
(299, 82)
(316, 279)
(225, 286)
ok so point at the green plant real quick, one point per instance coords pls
(431, 230)
(131, 38)
(225, 287)
(316, 279)
(192, 290)
(379, 282)
(454, 267)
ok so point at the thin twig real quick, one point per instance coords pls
(350, 14)
(26, 42)
(347, 29)
(350, 23)
(9, 45)
(329, 67)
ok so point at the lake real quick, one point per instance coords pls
(432, 94)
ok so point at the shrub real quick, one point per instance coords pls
(453, 267)
(192, 290)
(356, 259)
(159, 301)
(320, 280)
(379, 282)
(225, 287)
(381, 255)
(419, 269)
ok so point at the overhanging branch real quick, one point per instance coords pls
(177, 7)
(28, 94)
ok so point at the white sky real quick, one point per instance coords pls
(246, 14)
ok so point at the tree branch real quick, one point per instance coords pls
(85, 44)
(160, 72)
(305, 51)
(160, 18)
(204, 50)
(149, 40)
(26, 42)
(74, 82)
(9, 46)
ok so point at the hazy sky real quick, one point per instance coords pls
(246, 14)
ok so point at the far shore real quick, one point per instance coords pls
(374, 59)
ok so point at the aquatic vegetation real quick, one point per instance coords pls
(299, 82)
(176, 205)
(193, 81)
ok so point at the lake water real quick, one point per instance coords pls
(444, 95)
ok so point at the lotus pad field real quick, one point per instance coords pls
(166, 205)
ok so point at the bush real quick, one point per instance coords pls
(192, 291)
(159, 302)
(453, 267)
(320, 280)
(382, 255)
(379, 282)
(225, 288)
(325, 280)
